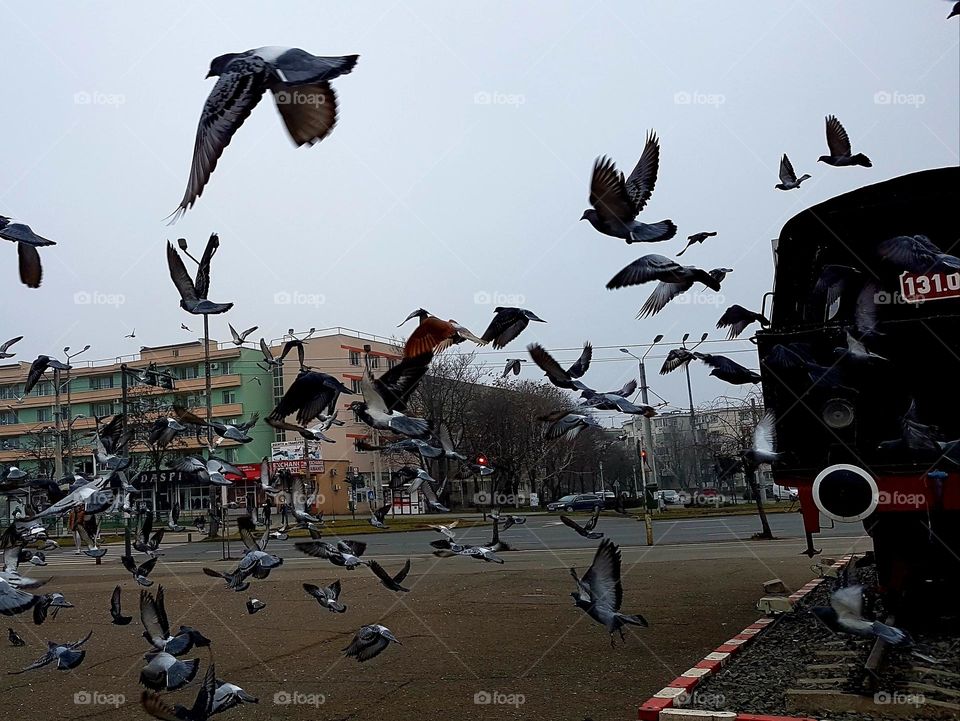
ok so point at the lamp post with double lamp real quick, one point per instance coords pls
(693, 428)
(70, 356)
(647, 436)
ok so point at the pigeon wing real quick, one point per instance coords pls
(644, 176)
(837, 139)
(787, 175)
(608, 193)
(309, 112)
(31, 271)
(603, 577)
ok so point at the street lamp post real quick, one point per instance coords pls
(70, 356)
(647, 437)
(693, 429)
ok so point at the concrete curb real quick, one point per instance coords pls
(668, 703)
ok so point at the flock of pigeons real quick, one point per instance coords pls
(300, 84)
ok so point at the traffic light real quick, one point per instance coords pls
(643, 455)
(481, 460)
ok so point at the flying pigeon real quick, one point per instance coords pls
(586, 530)
(377, 516)
(65, 654)
(507, 324)
(202, 707)
(240, 338)
(369, 641)
(845, 613)
(916, 254)
(254, 605)
(327, 597)
(599, 593)
(737, 318)
(728, 370)
(434, 335)
(163, 431)
(300, 83)
(140, 572)
(558, 376)
(389, 582)
(229, 695)
(31, 272)
(156, 627)
(676, 358)
(788, 178)
(118, 618)
(839, 144)
(49, 602)
(193, 292)
(311, 395)
(6, 346)
(15, 639)
(164, 672)
(38, 368)
(696, 238)
(564, 424)
(763, 443)
(345, 554)
(384, 398)
(617, 202)
(657, 267)
(512, 366)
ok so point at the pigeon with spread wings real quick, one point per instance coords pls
(193, 291)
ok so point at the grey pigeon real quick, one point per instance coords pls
(14, 638)
(66, 655)
(566, 424)
(156, 627)
(657, 267)
(916, 254)
(6, 346)
(696, 238)
(728, 370)
(617, 201)
(507, 324)
(346, 553)
(512, 366)
(559, 376)
(38, 367)
(600, 594)
(369, 641)
(240, 338)
(839, 145)
(676, 358)
(164, 672)
(31, 272)
(380, 408)
(140, 572)
(300, 83)
(49, 602)
(668, 290)
(392, 583)
(586, 530)
(254, 605)
(856, 351)
(202, 707)
(377, 516)
(118, 619)
(764, 437)
(328, 597)
(193, 292)
(737, 318)
(788, 178)
(845, 613)
(229, 695)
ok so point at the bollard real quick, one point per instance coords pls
(189, 538)
(648, 522)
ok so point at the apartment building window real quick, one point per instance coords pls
(226, 368)
(355, 385)
(229, 397)
(374, 361)
(43, 388)
(98, 383)
(357, 445)
(8, 418)
(354, 357)
(11, 392)
(186, 373)
(9, 444)
(391, 362)
(102, 409)
(43, 415)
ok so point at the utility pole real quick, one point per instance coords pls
(693, 426)
(66, 352)
(58, 440)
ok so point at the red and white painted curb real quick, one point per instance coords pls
(668, 703)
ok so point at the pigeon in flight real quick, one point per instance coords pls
(229, 695)
(193, 292)
(49, 603)
(676, 358)
(512, 366)
(667, 291)
(737, 318)
(657, 267)
(118, 619)
(377, 516)
(164, 672)
(507, 324)
(955, 11)
(66, 655)
(140, 572)
(617, 201)
(144, 541)
(586, 530)
(615, 401)
(600, 594)
(565, 424)
(345, 554)
(696, 238)
(764, 436)
(311, 395)
(238, 432)
(788, 178)
(14, 638)
(389, 582)
(6, 346)
(163, 431)
(728, 370)
(300, 83)
(508, 520)
(916, 254)
(38, 368)
(183, 326)
(31, 272)
(156, 627)
(202, 707)
(845, 613)
(384, 398)
(446, 531)
(254, 605)
(838, 143)
(131, 334)
(555, 373)
(210, 471)
(857, 352)
(328, 597)
(240, 338)
(370, 641)
(434, 335)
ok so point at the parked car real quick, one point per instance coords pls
(576, 502)
(669, 496)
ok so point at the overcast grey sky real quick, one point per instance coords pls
(460, 165)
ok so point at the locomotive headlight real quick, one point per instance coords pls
(845, 493)
(837, 413)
